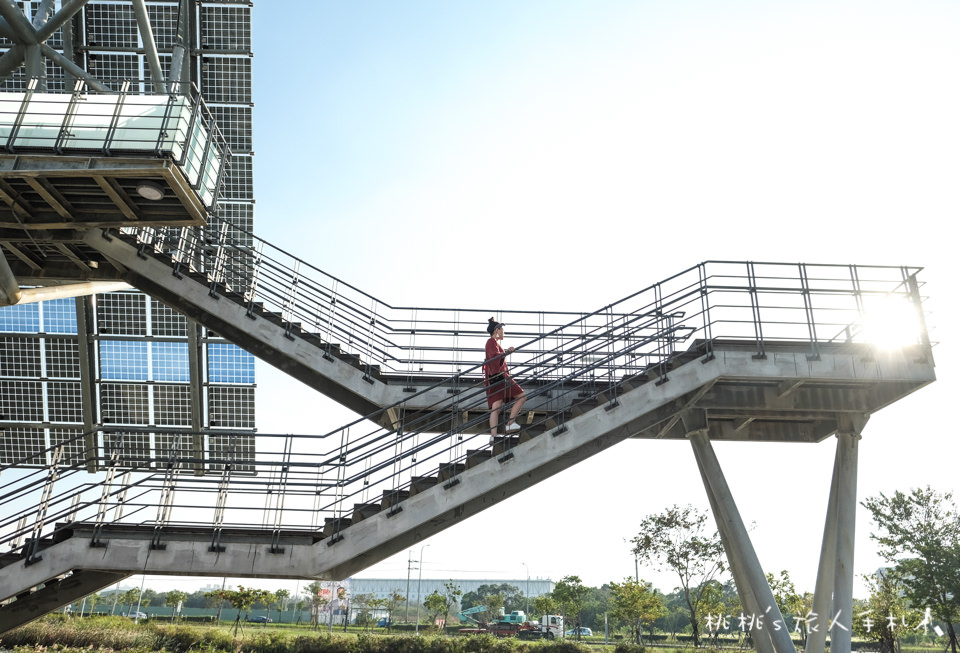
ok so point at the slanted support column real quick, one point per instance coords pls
(823, 589)
(833, 594)
(747, 598)
(746, 567)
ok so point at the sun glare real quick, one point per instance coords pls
(890, 322)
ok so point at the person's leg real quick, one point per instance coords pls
(495, 417)
(515, 409)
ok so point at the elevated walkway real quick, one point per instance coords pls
(747, 351)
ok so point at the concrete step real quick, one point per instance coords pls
(332, 525)
(420, 483)
(478, 456)
(363, 510)
(393, 497)
(449, 470)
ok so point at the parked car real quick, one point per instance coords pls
(582, 631)
(384, 622)
(137, 615)
(260, 619)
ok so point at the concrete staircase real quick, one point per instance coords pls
(784, 397)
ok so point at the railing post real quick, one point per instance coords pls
(288, 308)
(219, 510)
(755, 307)
(21, 114)
(68, 117)
(705, 312)
(162, 133)
(115, 118)
(95, 541)
(250, 296)
(165, 503)
(808, 312)
(913, 290)
(280, 498)
(33, 544)
(191, 125)
(215, 274)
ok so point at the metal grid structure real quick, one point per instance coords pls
(123, 359)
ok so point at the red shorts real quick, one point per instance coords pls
(503, 389)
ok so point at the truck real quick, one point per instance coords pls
(515, 624)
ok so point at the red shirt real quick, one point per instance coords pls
(498, 366)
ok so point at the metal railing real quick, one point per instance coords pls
(752, 300)
(303, 481)
(178, 126)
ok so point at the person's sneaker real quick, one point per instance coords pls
(512, 427)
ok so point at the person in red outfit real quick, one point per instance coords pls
(500, 386)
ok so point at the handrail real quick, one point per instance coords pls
(411, 341)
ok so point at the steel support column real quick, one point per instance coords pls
(195, 353)
(149, 46)
(747, 598)
(747, 569)
(822, 591)
(87, 358)
(833, 593)
(847, 443)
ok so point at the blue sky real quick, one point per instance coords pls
(594, 148)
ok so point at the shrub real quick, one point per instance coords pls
(628, 647)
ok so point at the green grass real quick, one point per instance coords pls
(66, 635)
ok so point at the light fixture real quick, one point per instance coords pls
(150, 191)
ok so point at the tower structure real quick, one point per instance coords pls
(121, 360)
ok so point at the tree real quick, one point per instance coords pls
(677, 616)
(362, 604)
(713, 604)
(150, 597)
(436, 605)
(883, 617)
(130, 599)
(506, 596)
(920, 535)
(451, 595)
(265, 600)
(281, 596)
(569, 593)
(318, 598)
(636, 604)
(676, 540)
(241, 598)
(545, 604)
(173, 597)
(199, 599)
(392, 605)
(793, 606)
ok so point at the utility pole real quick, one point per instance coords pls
(406, 597)
(527, 592)
(416, 628)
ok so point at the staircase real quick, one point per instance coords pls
(745, 351)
